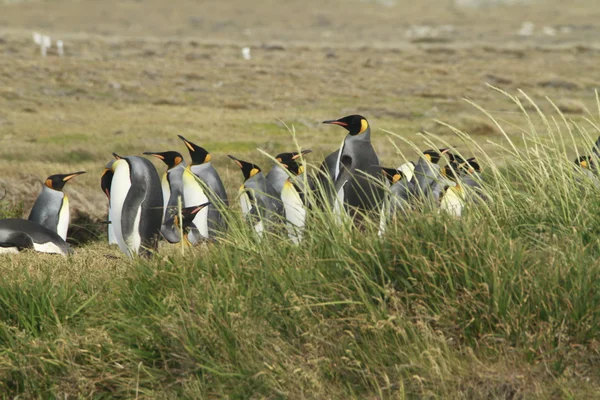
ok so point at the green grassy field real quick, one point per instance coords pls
(500, 304)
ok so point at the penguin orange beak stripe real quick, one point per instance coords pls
(236, 161)
(155, 155)
(73, 175)
(335, 122)
(303, 152)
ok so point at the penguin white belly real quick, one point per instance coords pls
(295, 212)
(408, 170)
(9, 250)
(193, 195)
(48, 247)
(339, 160)
(121, 183)
(383, 218)
(245, 202)
(64, 215)
(135, 240)
(338, 206)
(453, 201)
(166, 192)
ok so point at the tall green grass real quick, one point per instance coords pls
(502, 303)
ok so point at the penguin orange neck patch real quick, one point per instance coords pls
(364, 125)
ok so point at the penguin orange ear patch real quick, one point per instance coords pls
(254, 171)
(207, 158)
(364, 125)
(48, 183)
(178, 160)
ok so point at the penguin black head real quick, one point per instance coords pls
(354, 124)
(188, 214)
(392, 174)
(450, 170)
(472, 166)
(171, 158)
(456, 158)
(434, 156)
(585, 162)
(57, 182)
(199, 154)
(248, 169)
(291, 161)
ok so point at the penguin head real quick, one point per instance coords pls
(392, 174)
(291, 161)
(188, 214)
(585, 162)
(248, 169)
(107, 177)
(354, 124)
(434, 156)
(57, 182)
(449, 171)
(455, 158)
(472, 166)
(171, 158)
(199, 154)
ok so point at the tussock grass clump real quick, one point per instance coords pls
(501, 303)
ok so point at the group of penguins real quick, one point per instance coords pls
(189, 203)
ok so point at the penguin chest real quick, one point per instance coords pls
(64, 216)
(48, 247)
(295, 212)
(194, 195)
(120, 186)
(453, 201)
(166, 192)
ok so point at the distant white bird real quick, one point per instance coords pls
(246, 53)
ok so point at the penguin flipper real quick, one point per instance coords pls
(20, 240)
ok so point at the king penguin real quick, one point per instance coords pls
(19, 234)
(426, 183)
(257, 198)
(105, 185)
(452, 199)
(278, 174)
(51, 209)
(136, 204)
(291, 194)
(172, 191)
(361, 192)
(202, 183)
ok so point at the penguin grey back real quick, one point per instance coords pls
(46, 208)
(25, 234)
(145, 196)
(217, 196)
(168, 228)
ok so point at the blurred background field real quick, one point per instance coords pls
(137, 73)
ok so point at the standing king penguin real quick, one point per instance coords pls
(291, 195)
(202, 183)
(360, 191)
(172, 191)
(51, 209)
(257, 198)
(136, 204)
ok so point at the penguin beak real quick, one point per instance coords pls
(116, 156)
(236, 161)
(200, 207)
(335, 122)
(73, 175)
(187, 143)
(157, 155)
(302, 153)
